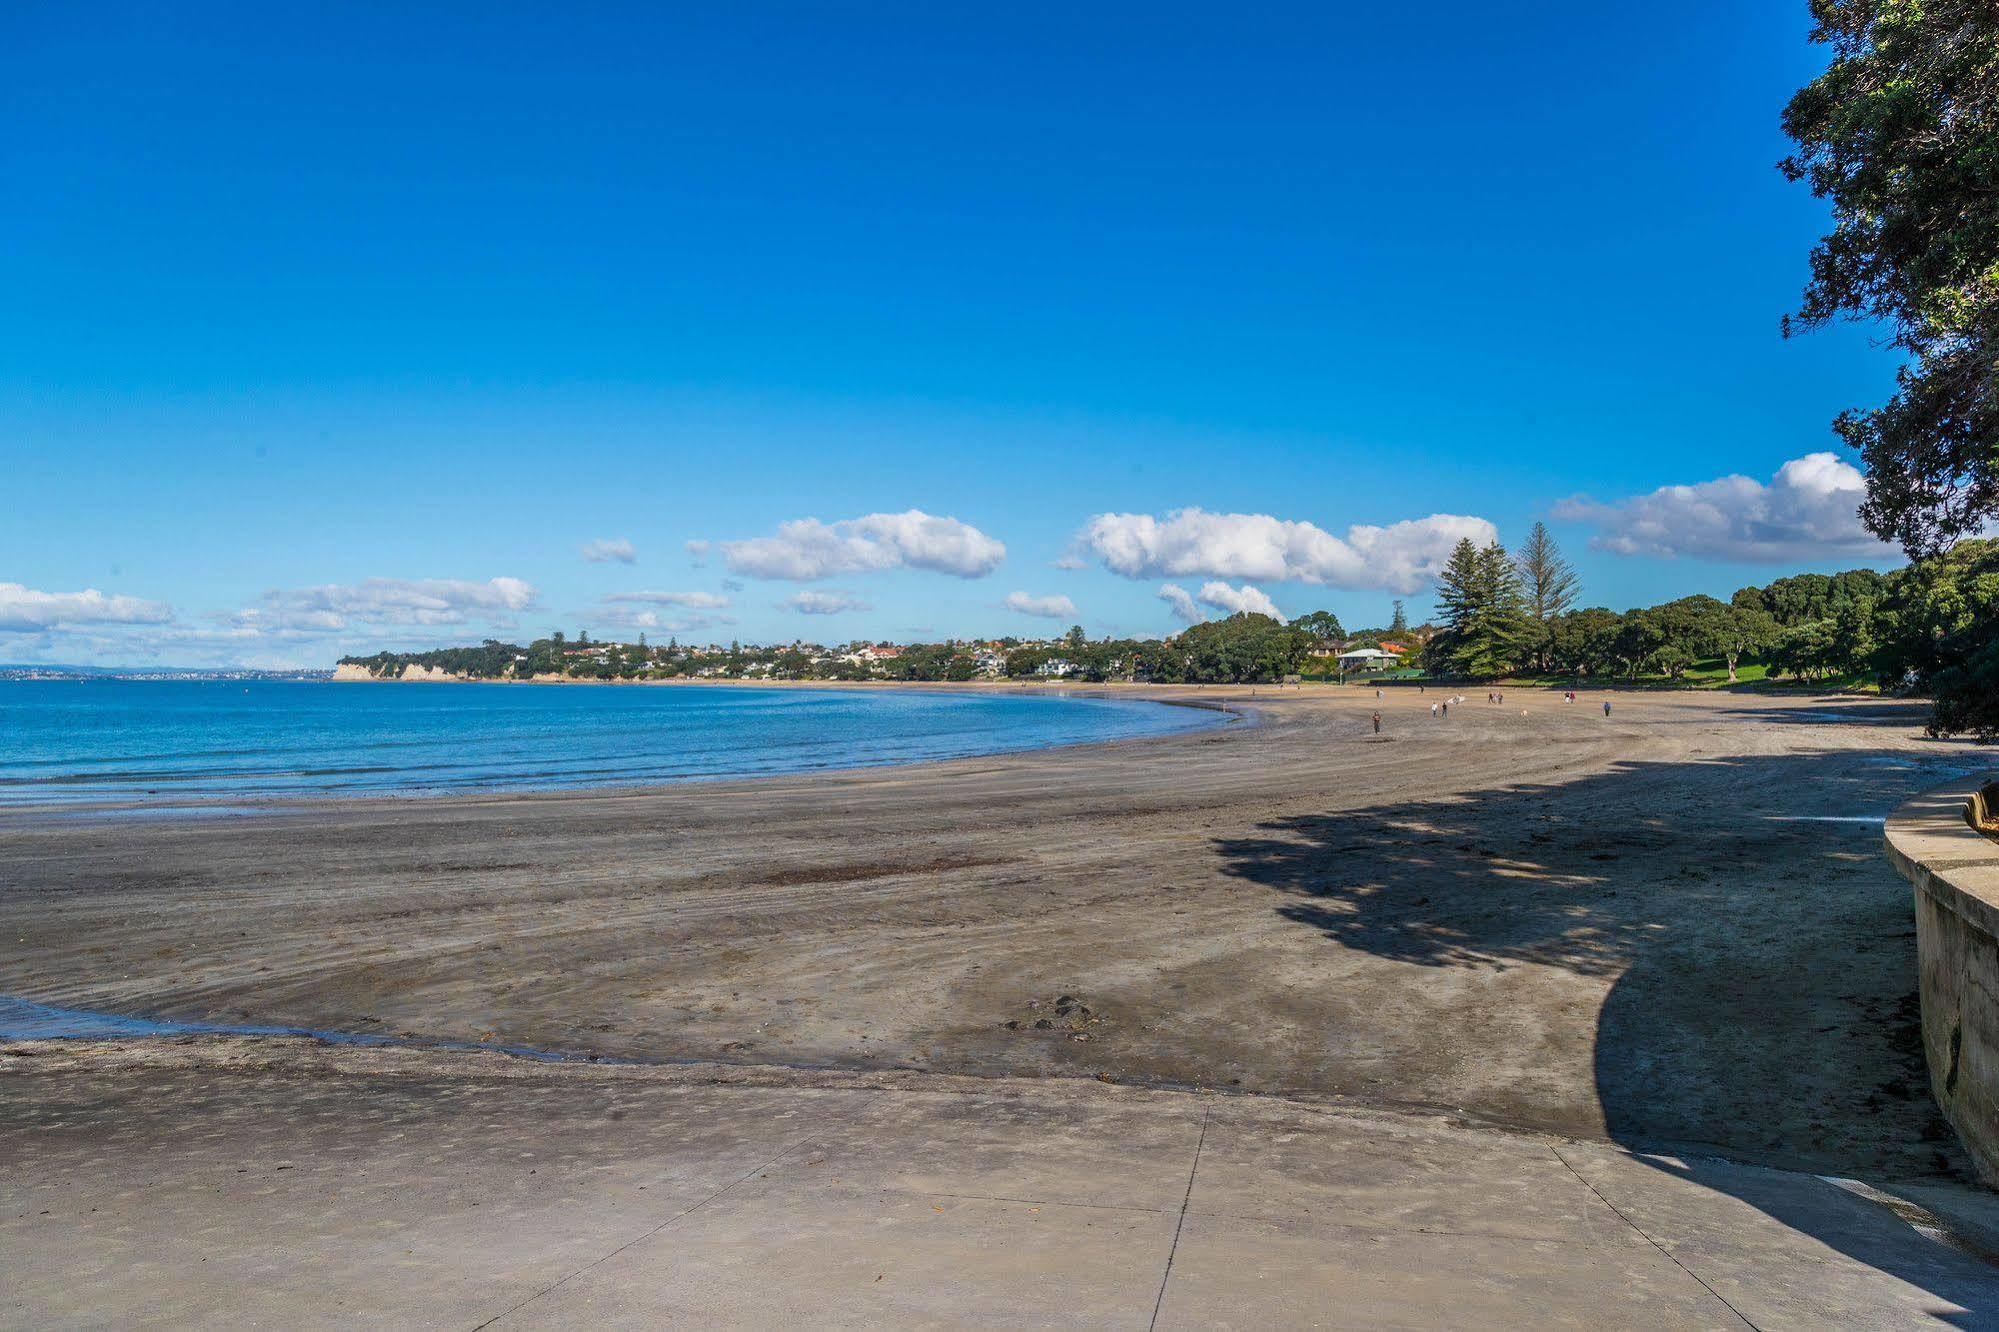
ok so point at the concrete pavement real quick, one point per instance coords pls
(240, 1182)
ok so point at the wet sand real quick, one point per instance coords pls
(1672, 927)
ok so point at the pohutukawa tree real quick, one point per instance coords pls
(1323, 625)
(1901, 135)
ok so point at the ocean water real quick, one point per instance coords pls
(189, 742)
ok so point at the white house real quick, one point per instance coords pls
(1369, 659)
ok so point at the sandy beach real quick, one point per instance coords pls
(1672, 926)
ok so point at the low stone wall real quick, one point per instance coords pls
(1954, 867)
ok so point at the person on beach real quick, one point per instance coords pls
(1606, 707)
(1447, 707)
(1377, 723)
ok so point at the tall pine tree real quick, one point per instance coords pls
(1478, 594)
(1548, 590)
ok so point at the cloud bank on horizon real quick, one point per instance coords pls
(689, 600)
(331, 607)
(1217, 597)
(806, 549)
(1808, 511)
(1402, 557)
(1056, 607)
(1805, 512)
(606, 550)
(24, 610)
(813, 601)
(649, 611)
(92, 625)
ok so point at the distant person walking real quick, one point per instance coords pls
(1606, 707)
(1377, 723)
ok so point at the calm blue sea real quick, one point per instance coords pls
(171, 741)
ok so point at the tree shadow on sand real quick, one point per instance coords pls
(1758, 948)
(1904, 716)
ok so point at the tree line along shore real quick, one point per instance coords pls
(1929, 627)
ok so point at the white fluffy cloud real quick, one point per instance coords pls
(1808, 510)
(1181, 603)
(170, 643)
(1048, 608)
(331, 607)
(1402, 557)
(824, 603)
(624, 617)
(1229, 600)
(650, 610)
(24, 610)
(688, 600)
(1216, 596)
(806, 549)
(608, 550)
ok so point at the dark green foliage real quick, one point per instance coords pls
(1803, 597)
(1322, 625)
(1485, 625)
(1743, 631)
(1808, 651)
(491, 660)
(932, 662)
(1242, 648)
(1901, 136)
(1025, 661)
(1548, 589)
(1940, 629)
(1585, 642)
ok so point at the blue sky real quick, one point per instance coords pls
(323, 329)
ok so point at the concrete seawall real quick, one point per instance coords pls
(1955, 871)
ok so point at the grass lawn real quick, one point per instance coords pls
(1711, 674)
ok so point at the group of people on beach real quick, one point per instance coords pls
(1442, 708)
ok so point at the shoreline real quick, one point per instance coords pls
(1586, 685)
(1497, 914)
